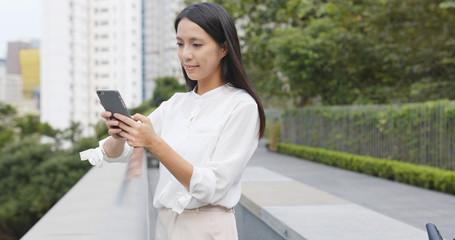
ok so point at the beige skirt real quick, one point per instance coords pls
(208, 222)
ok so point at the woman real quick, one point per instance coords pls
(203, 138)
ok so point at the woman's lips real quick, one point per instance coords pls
(190, 67)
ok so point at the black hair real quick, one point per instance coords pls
(216, 21)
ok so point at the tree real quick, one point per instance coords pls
(7, 113)
(346, 52)
(34, 175)
(165, 88)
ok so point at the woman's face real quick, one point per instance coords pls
(199, 54)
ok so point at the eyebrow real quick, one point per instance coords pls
(192, 39)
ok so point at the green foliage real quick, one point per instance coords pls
(165, 88)
(348, 52)
(72, 133)
(7, 114)
(417, 175)
(6, 111)
(101, 130)
(34, 175)
(275, 135)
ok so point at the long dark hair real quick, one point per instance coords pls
(217, 22)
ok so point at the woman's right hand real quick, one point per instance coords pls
(112, 126)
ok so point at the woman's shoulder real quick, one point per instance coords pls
(240, 96)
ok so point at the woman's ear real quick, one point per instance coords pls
(224, 49)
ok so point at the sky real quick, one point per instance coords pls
(19, 19)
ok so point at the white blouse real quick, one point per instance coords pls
(217, 133)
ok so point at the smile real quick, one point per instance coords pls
(190, 67)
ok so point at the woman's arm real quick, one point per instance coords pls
(113, 148)
(178, 166)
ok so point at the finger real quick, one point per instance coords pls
(126, 127)
(124, 119)
(115, 134)
(140, 117)
(112, 123)
(127, 137)
(106, 114)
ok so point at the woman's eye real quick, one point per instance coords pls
(179, 44)
(197, 44)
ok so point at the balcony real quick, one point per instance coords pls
(297, 200)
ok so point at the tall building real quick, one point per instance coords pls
(3, 80)
(88, 45)
(10, 86)
(160, 50)
(12, 64)
(30, 71)
(22, 64)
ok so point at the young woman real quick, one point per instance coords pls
(203, 138)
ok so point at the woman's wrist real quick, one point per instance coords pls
(154, 143)
(113, 148)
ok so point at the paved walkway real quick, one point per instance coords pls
(409, 204)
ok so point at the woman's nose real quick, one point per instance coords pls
(186, 53)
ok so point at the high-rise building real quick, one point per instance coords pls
(10, 86)
(2, 80)
(12, 64)
(22, 64)
(160, 50)
(88, 45)
(30, 71)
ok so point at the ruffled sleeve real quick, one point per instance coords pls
(96, 155)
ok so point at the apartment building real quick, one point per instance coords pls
(88, 45)
(160, 50)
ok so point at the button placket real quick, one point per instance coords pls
(196, 110)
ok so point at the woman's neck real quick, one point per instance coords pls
(204, 86)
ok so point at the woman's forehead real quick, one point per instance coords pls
(189, 29)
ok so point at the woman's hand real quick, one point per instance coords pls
(137, 134)
(112, 126)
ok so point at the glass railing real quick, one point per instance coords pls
(128, 218)
(110, 202)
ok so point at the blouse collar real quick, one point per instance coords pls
(210, 94)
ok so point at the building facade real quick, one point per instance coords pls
(30, 71)
(13, 64)
(88, 45)
(160, 49)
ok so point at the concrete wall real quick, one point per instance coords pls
(251, 227)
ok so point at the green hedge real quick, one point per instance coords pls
(417, 175)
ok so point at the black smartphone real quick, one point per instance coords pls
(112, 102)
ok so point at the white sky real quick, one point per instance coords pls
(19, 19)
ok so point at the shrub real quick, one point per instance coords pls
(417, 175)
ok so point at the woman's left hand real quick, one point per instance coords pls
(137, 134)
